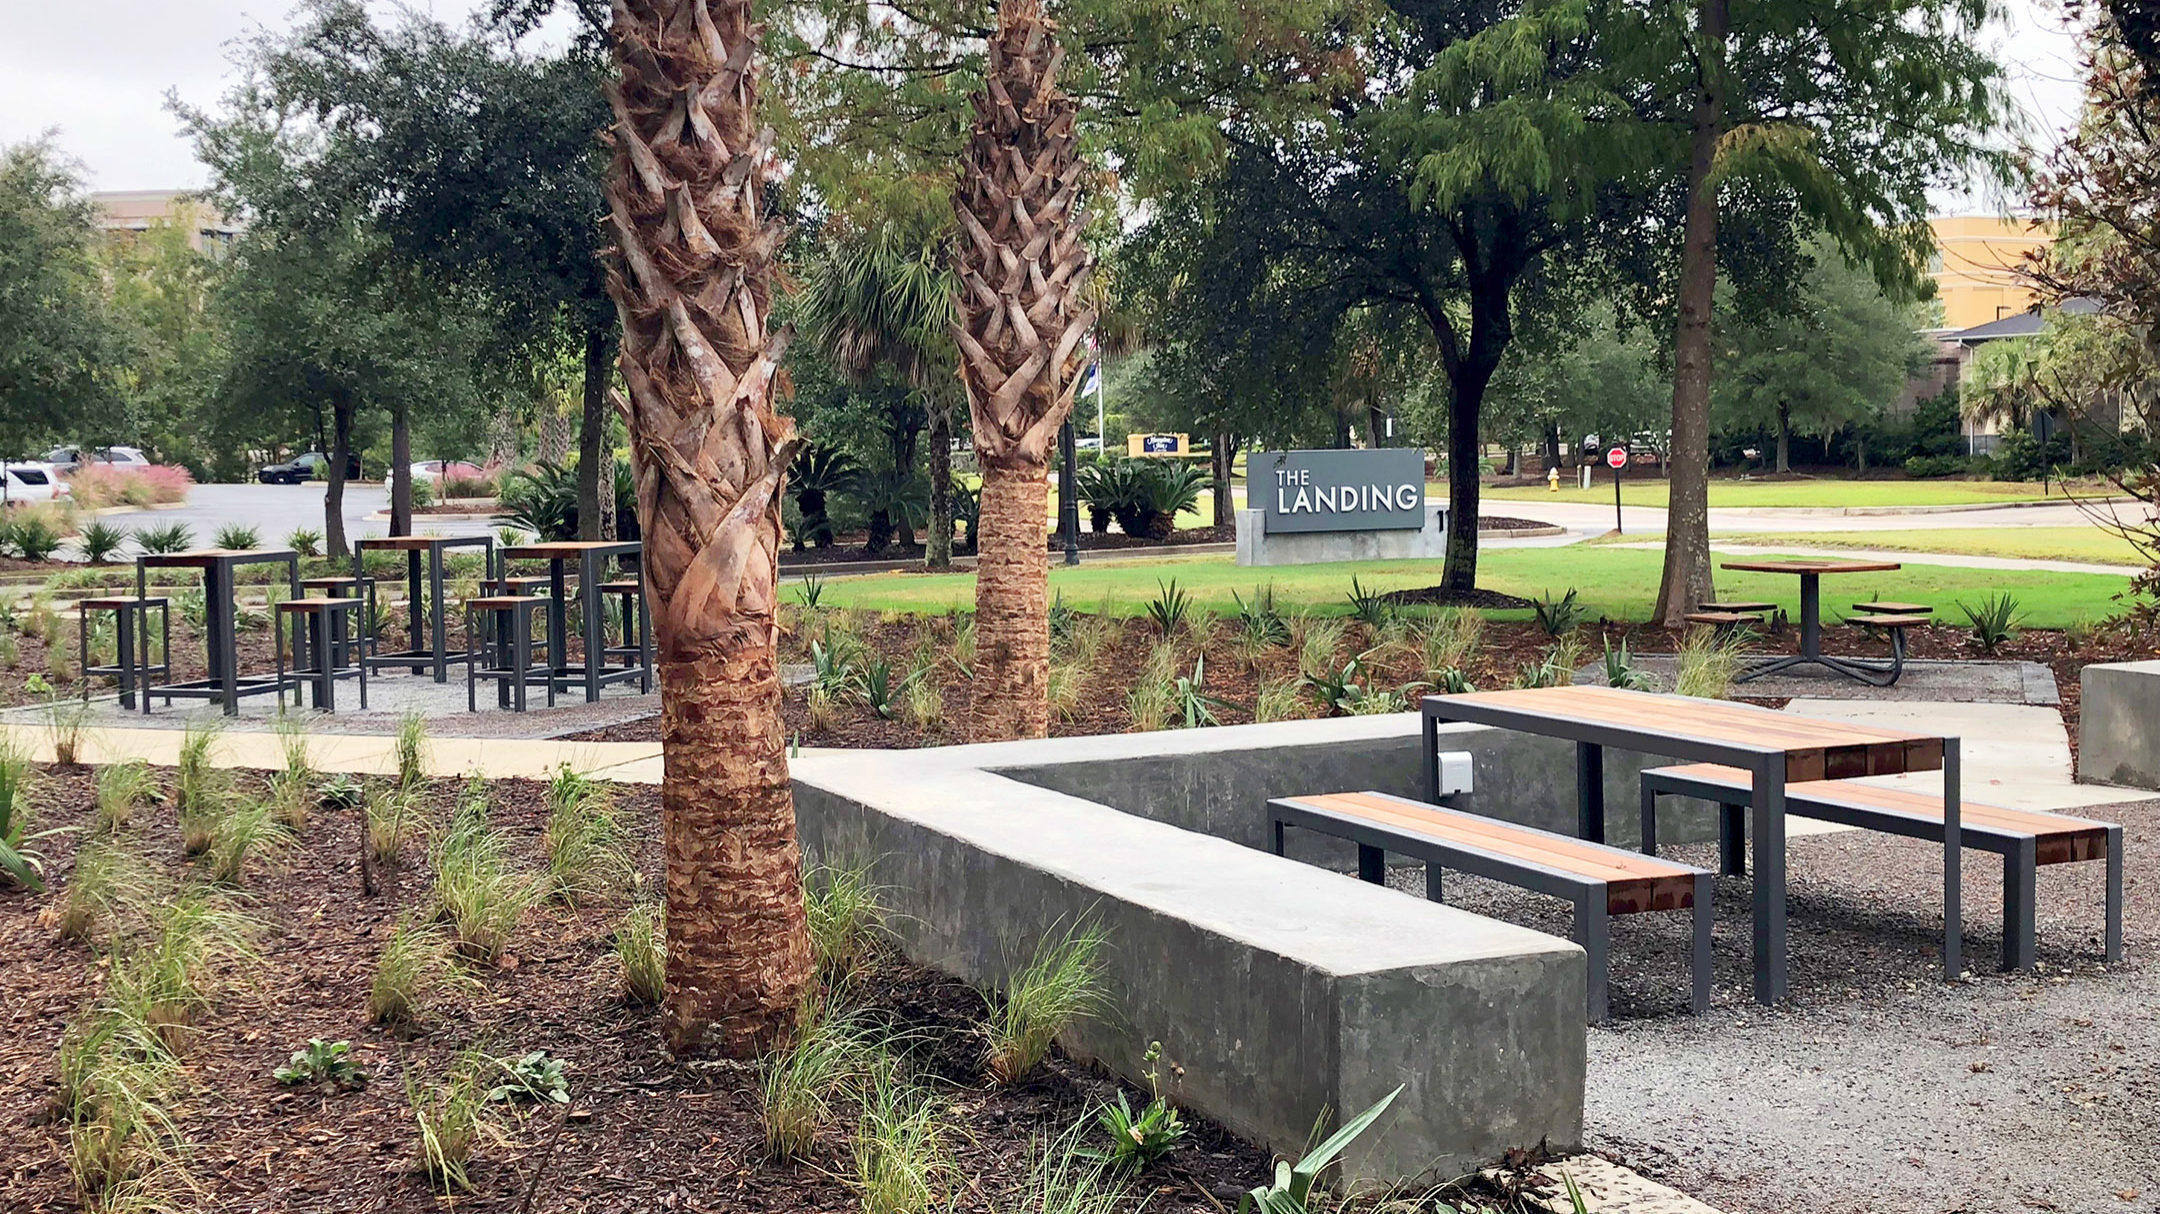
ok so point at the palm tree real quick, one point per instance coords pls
(1022, 270)
(692, 281)
(883, 298)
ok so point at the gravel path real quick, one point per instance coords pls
(1880, 1090)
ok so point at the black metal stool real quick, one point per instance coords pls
(503, 626)
(636, 621)
(131, 666)
(335, 643)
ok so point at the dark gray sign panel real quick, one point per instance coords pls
(1355, 490)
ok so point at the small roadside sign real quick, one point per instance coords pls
(1616, 458)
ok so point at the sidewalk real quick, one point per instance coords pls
(362, 754)
(1950, 559)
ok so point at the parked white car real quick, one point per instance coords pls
(23, 484)
(67, 459)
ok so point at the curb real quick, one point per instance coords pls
(1864, 511)
(962, 564)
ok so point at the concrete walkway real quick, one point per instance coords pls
(362, 754)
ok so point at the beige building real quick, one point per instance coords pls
(131, 211)
(1977, 266)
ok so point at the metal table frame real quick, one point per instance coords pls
(1765, 761)
(592, 672)
(219, 640)
(436, 655)
(1875, 674)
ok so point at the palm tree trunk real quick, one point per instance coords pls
(692, 282)
(1687, 577)
(1012, 606)
(1021, 268)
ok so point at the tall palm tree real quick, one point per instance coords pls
(883, 298)
(692, 281)
(1022, 270)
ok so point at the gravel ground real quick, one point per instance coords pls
(1879, 1090)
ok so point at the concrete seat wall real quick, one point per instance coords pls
(1279, 988)
(2119, 724)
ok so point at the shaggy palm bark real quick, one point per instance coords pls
(691, 280)
(1021, 267)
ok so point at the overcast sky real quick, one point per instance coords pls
(100, 80)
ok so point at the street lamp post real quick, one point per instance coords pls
(1069, 492)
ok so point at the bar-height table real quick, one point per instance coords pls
(218, 566)
(1776, 748)
(1811, 576)
(591, 557)
(437, 654)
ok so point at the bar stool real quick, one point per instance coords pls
(335, 643)
(131, 666)
(515, 584)
(630, 593)
(361, 587)
(503, 626)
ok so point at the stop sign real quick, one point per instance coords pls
(1617, 458)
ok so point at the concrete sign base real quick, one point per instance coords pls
(1256, 547)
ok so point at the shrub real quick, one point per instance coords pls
(1369, 607)
(100, 541)
(98, 486)
(1063, 983)
(1705, 664)
(20, 864)
(170, 538)
(1452, 639)
(1557, 616)
(1993, 620)
(306, 541)
(414, 965)
(1929, 467)
(1167, 610)
(461, 487)
(641, 951)
(1196, 708)
(32, 537)
(923, 701)
(238, 536)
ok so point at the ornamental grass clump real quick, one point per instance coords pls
(847, 919)
(1705, 664)
(641, 952)
(123, 1147)
(902, 1162)
(585, 856)
(833, 1056)
(108, 881)
(1061, 985)
(477, 892)
(168, 979)
(122, 788)
(412, 749)
(453, 1119)
(415, 967)
(245, 828)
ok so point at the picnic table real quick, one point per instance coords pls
(436, 653)
(591, 556)
(1776, 748)
(218, 566)
(1811, 574)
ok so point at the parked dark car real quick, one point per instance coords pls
(305, 467)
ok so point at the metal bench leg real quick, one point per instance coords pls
(1705, 919)
(2020, 866)
(277, 630)
(1372, 864)
(124, 655)
(521, 657)
(2114, 893)
(1275, 836)
(1434, 891)
(1591, 931)
(1732, 840)
(1649, 819)
(472, 668)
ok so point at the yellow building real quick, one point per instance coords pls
(130, 211)
(1977, 264)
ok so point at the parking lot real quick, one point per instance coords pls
(275, 511)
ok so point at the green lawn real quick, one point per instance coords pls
(1615, 582)
(1651, 491)
(2089, 544)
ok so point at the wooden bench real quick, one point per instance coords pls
(1744, 608)
(2024, 838)
(1723, 621)
(1894, 609)
(1601, 881)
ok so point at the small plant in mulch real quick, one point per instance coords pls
(1139, 1139)
(323, 1062)
(1061, 985)
(641, 951)
(535, 1078)
(1291, 1190)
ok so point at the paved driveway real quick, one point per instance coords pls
(275, 511)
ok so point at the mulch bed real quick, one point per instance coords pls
(1509, 647)
(642, 1131)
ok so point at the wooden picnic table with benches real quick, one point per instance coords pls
(1776, 749)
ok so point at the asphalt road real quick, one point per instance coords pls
(275, 511)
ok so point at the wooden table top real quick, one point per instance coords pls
(210, 556)
(564, 549)
(1812, 566)
(417, 543)
(1814, 749)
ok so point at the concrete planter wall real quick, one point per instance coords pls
(2119, 724)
